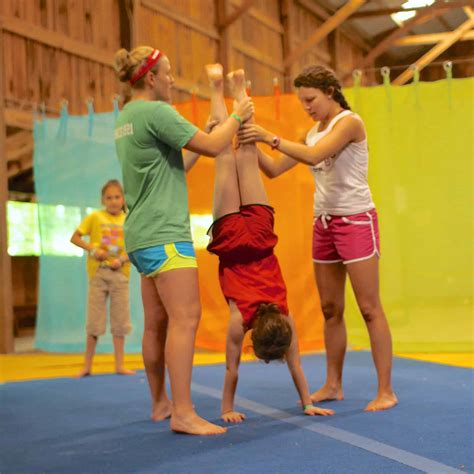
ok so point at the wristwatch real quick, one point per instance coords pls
(275, 142)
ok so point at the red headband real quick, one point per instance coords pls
(150, 61)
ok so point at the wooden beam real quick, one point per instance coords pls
(348, 31)
(235, 15)
(329, 25)
(6, 303)
(21, 166)
(431, 38)
(183, 20)
(57, 40)
(126, 14)
(18, 145)
(224, 43)
(422, 17)
(18, 118)
(256, 54)
(262, 17)
(433, 53)
(390, 11)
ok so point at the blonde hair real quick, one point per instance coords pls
(127, 63)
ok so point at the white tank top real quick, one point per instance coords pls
(341, 181)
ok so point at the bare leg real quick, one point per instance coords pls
(153, 349)
(365, 282)
(91, 343)
(216, 82)
(179, 291)
(226, 187)
(252, 190)
(330, 279)
(119, 343)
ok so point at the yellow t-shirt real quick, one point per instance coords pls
(105, 231)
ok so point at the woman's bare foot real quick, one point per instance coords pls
(161, 410)
(327, 393)
(194, 425)
(124, 371)
(215, 74)
(237, 84)
(383, 401)
(84, 373)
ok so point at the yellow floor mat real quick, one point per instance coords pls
(39, 365)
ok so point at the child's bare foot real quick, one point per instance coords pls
(215, 74)
(383, 401)
(195, 425)
(161, 410)
(327, 393)
(124, 371)
(237, 84)
(84, 373)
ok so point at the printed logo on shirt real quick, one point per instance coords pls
(112, 239)
(326, 165)
(124, 130)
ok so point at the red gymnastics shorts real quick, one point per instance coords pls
(346, 239)
(249, 273)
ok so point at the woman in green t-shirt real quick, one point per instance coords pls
(149, 136)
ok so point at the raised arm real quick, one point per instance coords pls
(293, 360)
(349, 129)
(211, 144)
(190, 158)
(273, 167)
(235, 338)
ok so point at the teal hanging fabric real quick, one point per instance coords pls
(74, 157)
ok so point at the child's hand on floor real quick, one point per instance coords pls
(233, 417)
(311, 410)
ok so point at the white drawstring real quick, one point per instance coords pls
(324, 219)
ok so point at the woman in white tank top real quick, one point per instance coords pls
(345, 239)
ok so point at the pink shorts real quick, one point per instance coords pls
(346, 239)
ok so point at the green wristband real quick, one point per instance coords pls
(305, 407)
(234, 115)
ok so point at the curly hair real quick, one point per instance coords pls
(324, 79)
(271, 333)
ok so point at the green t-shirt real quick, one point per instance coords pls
(149, 136)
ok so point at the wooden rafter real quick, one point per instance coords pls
(183, 20)
(424, 16)
(18, 145)
(348, 31)
(390, 11)
(235, 15)
(430, 38)
(329, 25)
(433, 53)
(18, 118)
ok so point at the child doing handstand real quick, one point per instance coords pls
(249, 273)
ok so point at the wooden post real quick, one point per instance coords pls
(6, 310)
(286, 12)
(224, 48)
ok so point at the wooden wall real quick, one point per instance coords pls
(60, 49)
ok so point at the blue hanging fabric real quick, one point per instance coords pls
(90, 111)
(63, 119)
(115, 102)
(70, 170)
